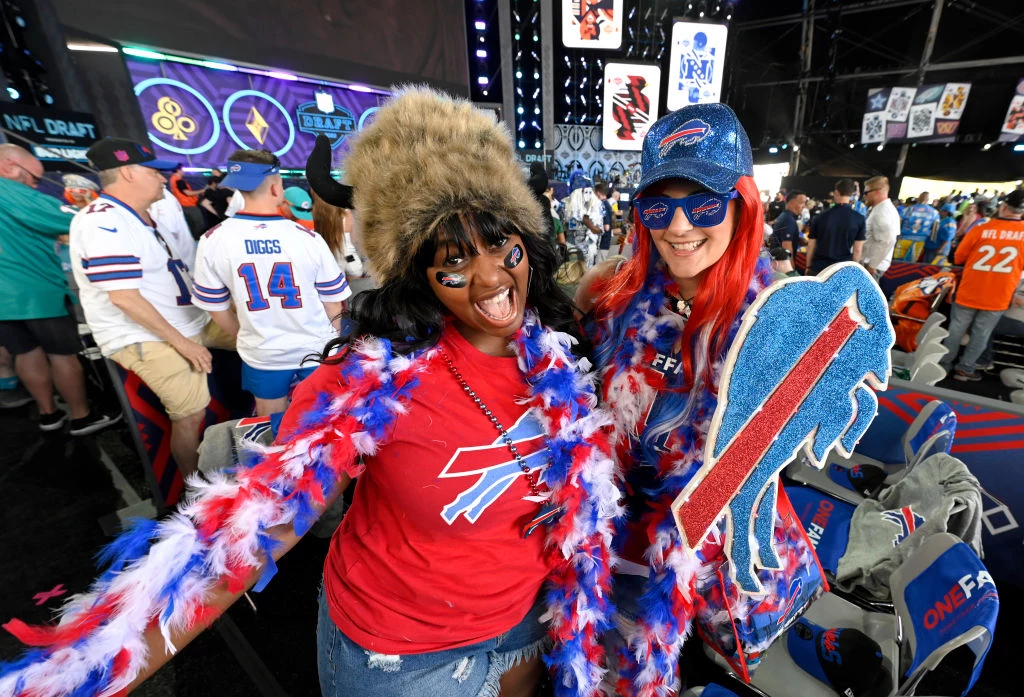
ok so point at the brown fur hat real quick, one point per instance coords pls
(425, 156)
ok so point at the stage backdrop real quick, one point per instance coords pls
(200, 115)
(697, 64)
(925, 114)
(579, 147)
(1013, 124)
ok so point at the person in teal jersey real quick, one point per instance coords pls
(35, 326)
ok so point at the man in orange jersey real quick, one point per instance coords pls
(992, 255)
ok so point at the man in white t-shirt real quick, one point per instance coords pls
(286, 286)
(137, 292)
(170, 220)
(883, 227)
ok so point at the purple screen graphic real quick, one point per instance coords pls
(199, 116)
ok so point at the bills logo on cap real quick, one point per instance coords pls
(235, 168)
(690, 133)
(830, 645)
(655, 211)
(906, 520)
(706, 209)
(121, 155)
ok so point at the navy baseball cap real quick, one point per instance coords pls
(111, 153)
(247, 176)
(846, 659)
(704, 143)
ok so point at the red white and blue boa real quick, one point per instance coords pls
(629, 344)
(162, 573)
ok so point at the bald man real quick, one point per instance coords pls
(35, 326)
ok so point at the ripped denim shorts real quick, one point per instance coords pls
(347, 669)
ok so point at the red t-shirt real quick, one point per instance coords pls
(431, 554)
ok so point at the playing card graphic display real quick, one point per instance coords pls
(631, 92)
(773, 404)
(929, 113)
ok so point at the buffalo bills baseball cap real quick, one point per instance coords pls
(300, 202)
(111, 153)
(848, 660)
(948, 208)
(247, 176)
(704, 143)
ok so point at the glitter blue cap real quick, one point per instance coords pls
(704, 143)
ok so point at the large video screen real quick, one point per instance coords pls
(925, 114)
(199, 116)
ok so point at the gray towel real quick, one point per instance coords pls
(939, 495)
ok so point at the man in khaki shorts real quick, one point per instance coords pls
(137, 293)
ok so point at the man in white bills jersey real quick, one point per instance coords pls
(286, 286)
(136, 291)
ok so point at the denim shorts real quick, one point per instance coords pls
(347, 669)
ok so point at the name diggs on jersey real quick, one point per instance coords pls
(262, 247)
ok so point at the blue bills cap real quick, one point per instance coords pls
(704, 143)
(247, 176)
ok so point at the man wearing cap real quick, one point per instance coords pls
(35, 326)
(936, 247)
(298, 206)
(992, 255)
(137, 292)
(837, 234)
(286, 286)
(882, 227)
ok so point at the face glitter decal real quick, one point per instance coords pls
(451, 280)
(513, 258)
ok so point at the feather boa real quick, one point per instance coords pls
(649, 662)
(162, 573)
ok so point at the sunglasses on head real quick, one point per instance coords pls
(705, 209)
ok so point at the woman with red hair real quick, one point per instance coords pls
(662, 323)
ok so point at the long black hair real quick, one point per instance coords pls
(408, 313)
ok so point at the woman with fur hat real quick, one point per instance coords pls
(455, 397)
(662, 323)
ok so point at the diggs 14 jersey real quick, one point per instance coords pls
(278, 274)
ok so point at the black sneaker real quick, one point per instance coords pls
(92, 423)
(53, 420)
(967, 377)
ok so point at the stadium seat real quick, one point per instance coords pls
(945, 610)
(931, 431)
(931, 333)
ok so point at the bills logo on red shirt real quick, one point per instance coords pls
(906, 520)
(492, 469)
(689, 133)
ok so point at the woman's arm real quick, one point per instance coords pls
(221, 599)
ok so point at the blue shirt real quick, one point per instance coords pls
(918, 221)
(606, 235)
(835, 231)
(860, 207)
(785, 229)
(943, 234)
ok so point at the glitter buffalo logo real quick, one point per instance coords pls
(690, 133)
(772, 405)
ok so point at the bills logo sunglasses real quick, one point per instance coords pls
(705, 209)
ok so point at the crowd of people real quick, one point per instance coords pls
(981, 232)
(436, 584)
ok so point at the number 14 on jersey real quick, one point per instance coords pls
(280, 285)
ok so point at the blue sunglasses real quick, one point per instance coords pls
(706, 209)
